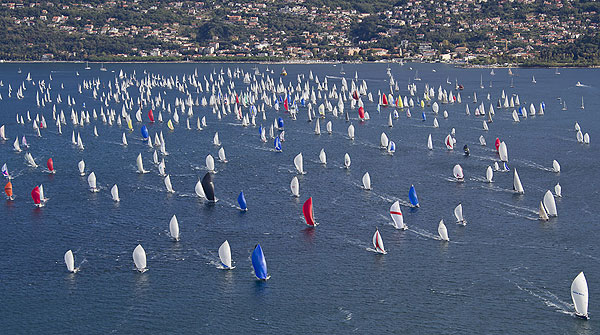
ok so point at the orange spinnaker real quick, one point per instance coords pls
(8, 189)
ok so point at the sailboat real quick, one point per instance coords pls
(222, 157)
(489, 174)
(81, 167)
(323, 157)
(366, 180)
(140, 164)
(558, 190)
(295, 187)
(458, 213)
(209, 187)
(579, 294)
(347, 161)
(242, 202)
(396, 214)
(582, 106)
(102, 68)
(225, 256)
(378, 242)
(174, 228)
(517, 187)
(139, 258)
(555, 166)
(412, 196)
(114, 192)
(168, 184)
(210, 163)
(35, 195)
(458, 173)
(87, 66)
(429, 143)
(307, 210)
(550, 204)
(259, 263)
(442, 231)
(70, 261)
(92, 182)
(351, 131)
(298, 163)
(9, 190)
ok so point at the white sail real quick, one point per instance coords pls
(70, 261)
(323, 157)
(298, 163)
(550, 204)
(579, 136)
(351, 132)
(515, 116)
(503, 152)
(558, 190)
(16, 145)
(397, 216)
(517, 187)
(458, 172)
(168, 184)
(458, 213)
(429, 143)
(489, 174)
(482, 140)
(30, 160)
(225, 255)
(216, 140)
(542, 212)
(210, 163)
(579, 294)
(435, 123)
(378, 242)
(347, 161)
(139, 258)
(114, 192)
(366, 180)
(81, 167)
(442, 231)
(555, 166)
(199, 189)
(174, 228)
(140, 164)
(586, 138)
(329, 127)
(295, 187)
(383, 139)
(222, 157)
(92, 182)
(124, 139)
(449, 141)
(317, 127)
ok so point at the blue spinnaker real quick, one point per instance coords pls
(242, 201)
(412, 196)
(277, 143)
(280, 123)
(259, 263)
(144, 132)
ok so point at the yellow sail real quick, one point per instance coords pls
(129, 124)
(170, 125)
(422, 104)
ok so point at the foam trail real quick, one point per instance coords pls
(547, 297)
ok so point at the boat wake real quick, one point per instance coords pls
(424, 233)
(547, 297)
(359, 243)
(346, 313)
(535, 165)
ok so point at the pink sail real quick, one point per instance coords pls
(307, 210)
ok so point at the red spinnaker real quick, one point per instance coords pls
(151, 116)
(361, 113)
(497, 143)
(35, 194)
(50, 164)
(384, 100)
(307, 210)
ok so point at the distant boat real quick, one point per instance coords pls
(579, 294)
(366, 180)
(242, 202)
(307, 210)
(209, 187)
(557, 190)
(517, 187)
(429, 143)
(457, 171)
(489, 174)
(555, 166)
(412, 196)
(92, 182)
(396, 214)
(458, 213)
(9, 190)
(322, 157)
(81, 167)
(298, 163)
(225, 256)
(295, 187)
(114, 192)
(102, 68)
(442, 231)
(139, 258)
(140, 164)
(283, 72)
(35, 195)
(174, 228)
(550, 204)
(533, 79)
(378, 243)
(87, 66)
(347, 161)
(579, 84)
(168, 184)
(210, 163)
(70, 261)
(259, 263)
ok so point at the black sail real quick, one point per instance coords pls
(208, 186)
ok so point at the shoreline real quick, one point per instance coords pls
(304, 62)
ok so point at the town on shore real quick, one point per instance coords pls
(471, 32)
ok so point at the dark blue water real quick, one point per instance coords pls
(505, 272)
